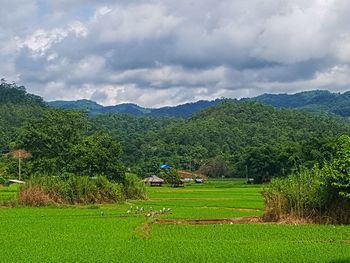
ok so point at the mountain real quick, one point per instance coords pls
(232, 138)
(89, 105)
(318, 101)
(222, 137)
(183, 111)
(16, 107)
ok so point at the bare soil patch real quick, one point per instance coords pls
(190, 198)
(235, 220)
(207, 221)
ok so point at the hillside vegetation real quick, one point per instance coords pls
(231, 139)
(318, 101)
(321, 102)
(234, 138)
(180, 111)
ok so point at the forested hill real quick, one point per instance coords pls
(232, 138)
(319, 101)
(13, 94)
(182, 111)
(16, 106)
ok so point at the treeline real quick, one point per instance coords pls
(231, 139)
(317, 101)
(318, 194)
(40, 142)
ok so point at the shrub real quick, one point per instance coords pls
(299, 195)
(2, 180)
(306, 194)
(171, 176)
(134, 188)
(70, 189)
(34, 196)
(109, 191)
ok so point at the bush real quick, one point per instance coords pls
(306, 195)
(171, 176)
(34, 196)
(70, 189)
(2, 180)
(299, 195)
(134, 188)
(321, 195)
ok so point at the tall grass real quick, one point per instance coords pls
(70, 189)
(304, 195)
(133, 187)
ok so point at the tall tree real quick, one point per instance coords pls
(98, 154)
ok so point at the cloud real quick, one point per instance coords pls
(167, 52)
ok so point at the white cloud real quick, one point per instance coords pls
(166, 52)
(42, 40)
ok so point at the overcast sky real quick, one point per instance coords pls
(166, 52)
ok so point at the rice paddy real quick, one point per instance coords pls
(108, 234)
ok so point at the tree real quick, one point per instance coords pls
(215, 167)
(171, 176)
(337, 174)
(50, 138)
(98, 154)
(20, 155)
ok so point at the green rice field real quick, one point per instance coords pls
(107, 233)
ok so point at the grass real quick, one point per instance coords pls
(106, 234)
(8, 193)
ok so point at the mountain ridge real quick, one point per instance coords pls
(317, 101)
(182, 110)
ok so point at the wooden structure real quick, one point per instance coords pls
(153, 181)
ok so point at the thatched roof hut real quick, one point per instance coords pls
(153, 180)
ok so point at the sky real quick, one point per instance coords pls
(168, 52)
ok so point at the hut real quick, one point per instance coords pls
(153, 181)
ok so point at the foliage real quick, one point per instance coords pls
(2, 180)
(133, 187)
(69, 189)
(321, 195)
(317, 101)
(171, 177)
(98, 154)
(34, 196)
(215, 168)
(180, 111)
(300, 195)
(50, 138)
(337, 174)
(233, 138)
(12, 93)
(250, 138)
(16, 106)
